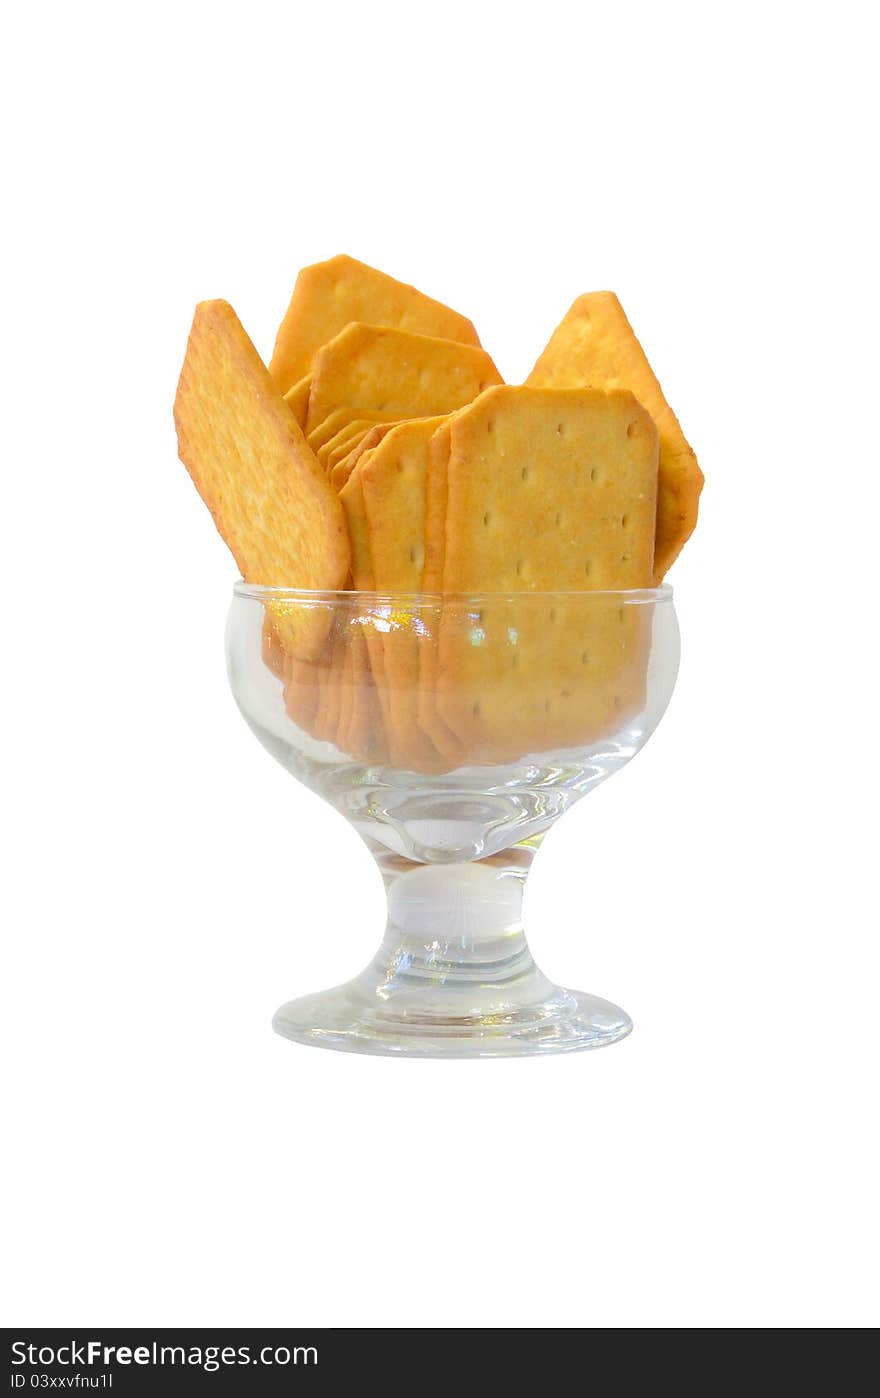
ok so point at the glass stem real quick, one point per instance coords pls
(454, 976)
(456, 923)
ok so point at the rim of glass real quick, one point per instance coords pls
(257, 593)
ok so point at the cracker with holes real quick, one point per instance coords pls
(301, 692)
(329, 295)
(274, 654)
(347, 454)
(364, 735)
(372, 670)
(342, 418)
(341, 471)
(393, 486)
(430, 722)
(345, 683)
(342, 443)
(361, 560)
(541, 490)
(595, 346)
(392, 373)
(297, 399)
(383, 452)
(250, 463)
(330, 672)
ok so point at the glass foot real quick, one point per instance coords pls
(454, 977)
(353, 1020)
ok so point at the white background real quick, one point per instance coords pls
(170, 1160)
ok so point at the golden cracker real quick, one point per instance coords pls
(341, 472)
(346, 690)
(346, 445)
(330, 688)
(275, 657)
(248, 458)
(394, 373)
(394, 485)
(393, 481)
(363, 581)
(546, 490)
(430, 721)
(361, 558)
(297, 399)
(364, 737)
(344, 441)
(301, 690)
(550, 489)
(334, 422)
(595, 346)
(329, 295)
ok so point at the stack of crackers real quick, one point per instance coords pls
(381, 452)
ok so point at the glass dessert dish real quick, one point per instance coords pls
(452, 732)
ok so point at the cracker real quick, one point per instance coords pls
(550, 489)
(343, 442)
(372, 620)
(299, 678)
(393, 482)
(330, 688)
(430, 720)
(275, 657)
(346, 689)
(394, 485)
(301, 690)
(546, 490)
(333, 423)
(328, 295)
(361, 558)
(251, 465)
(364, 736)
(346, 442)
(341, 472)
(395, 373)
(595, 346)
(576, 674)
(297, 399)
(435, 508)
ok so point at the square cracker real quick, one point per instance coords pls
(393, 482)
(275, 657)
(329, 697)
(297, 399)
(321, 433)
(361, 558)
(362, 736)
(329, 295)
(346, 689)
(430, 721)
(344, 441)
(396, 373)
(341, 472)
(347, 442)
(301, 690)
(371, 675)
(299, 678)
(545, 490)
(250, 463)
(594, 346)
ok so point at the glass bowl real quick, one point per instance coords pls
(452, 732)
